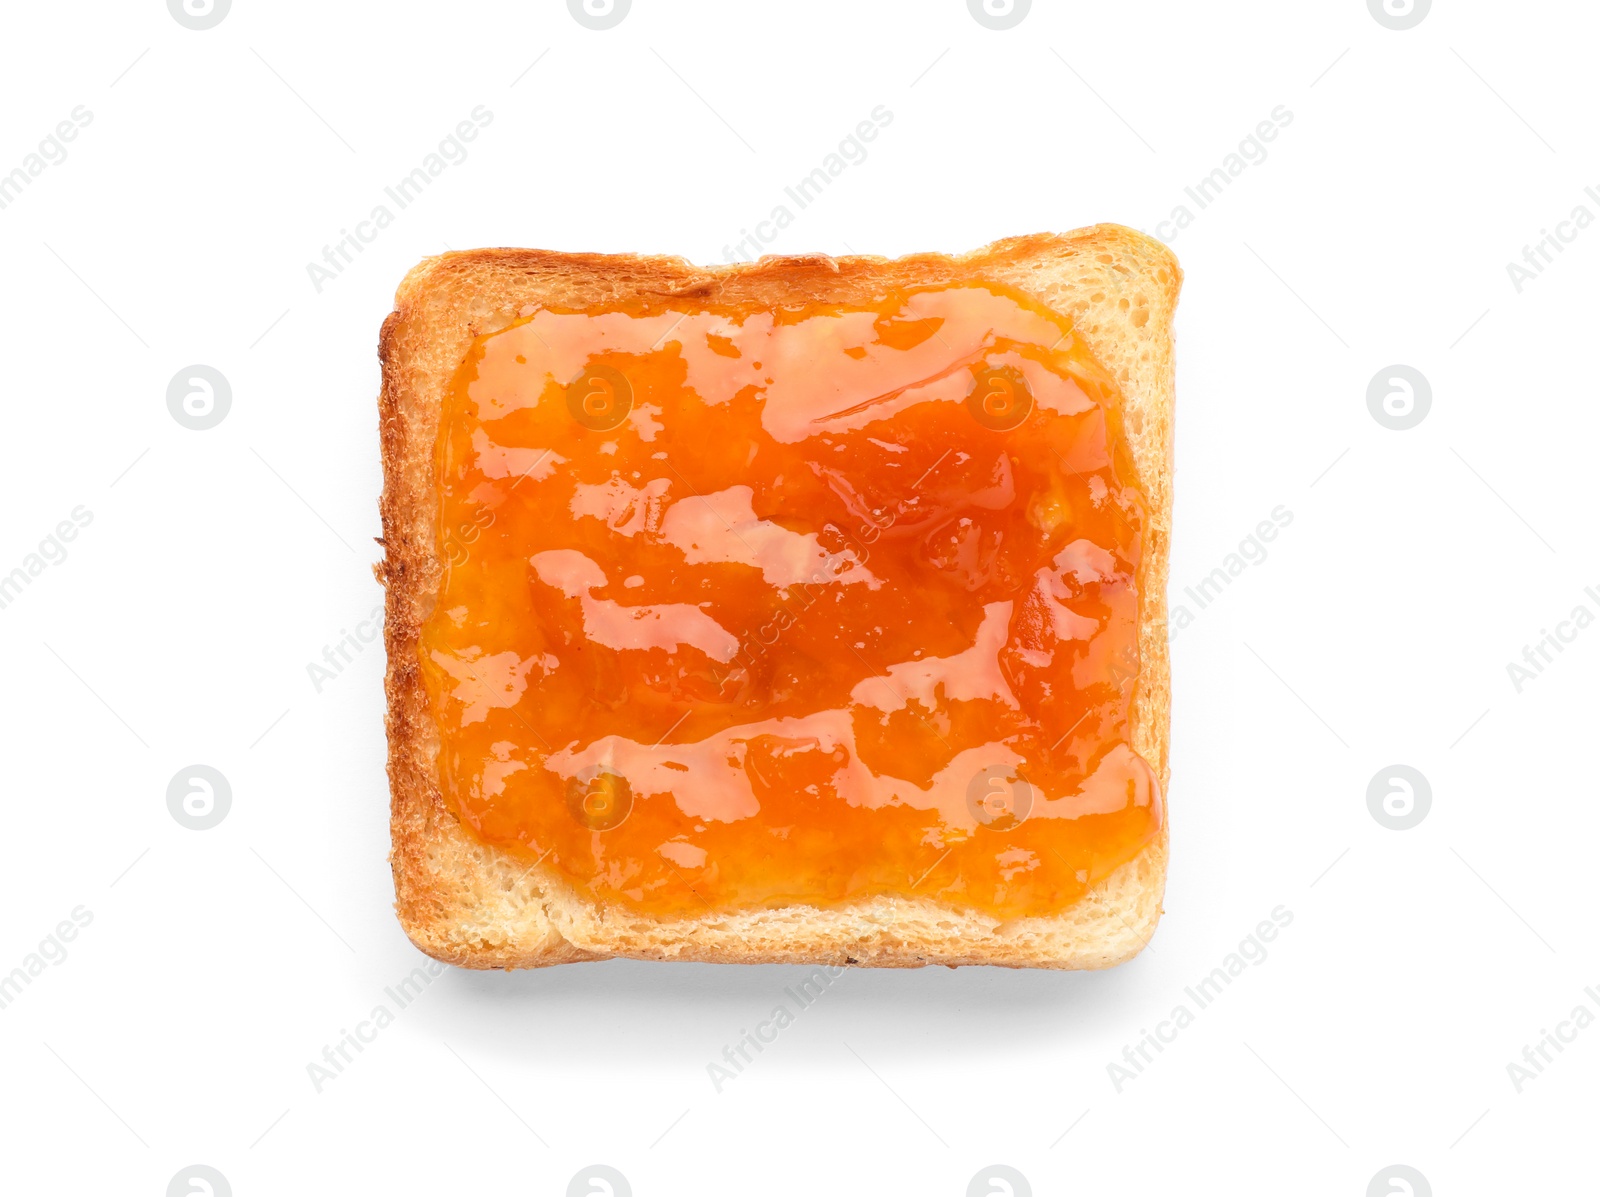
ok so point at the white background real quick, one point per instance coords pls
(218, 564)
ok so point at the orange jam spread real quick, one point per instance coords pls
(744, 607)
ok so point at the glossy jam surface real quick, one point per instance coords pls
(746, 607)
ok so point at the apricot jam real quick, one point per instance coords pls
(746, 607)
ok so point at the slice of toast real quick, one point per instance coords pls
(468, 902)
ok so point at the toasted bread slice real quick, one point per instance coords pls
(465, 901)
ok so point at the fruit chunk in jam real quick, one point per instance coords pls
(745, 607)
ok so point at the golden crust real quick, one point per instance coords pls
(469, 903)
